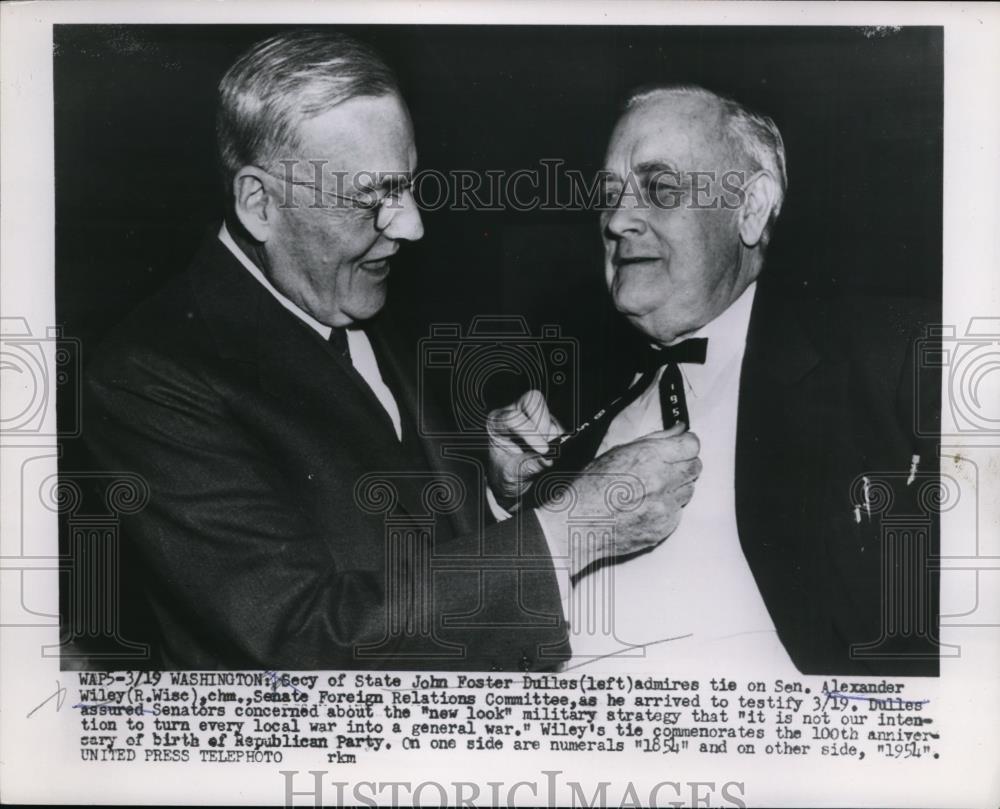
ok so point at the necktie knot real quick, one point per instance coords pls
(338, 339)
(693, 350)
(673, 402)
(576, 450)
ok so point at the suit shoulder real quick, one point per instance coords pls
(867, 324)
(165, 330)
(167, 322)
(889, 316)
(877, 336)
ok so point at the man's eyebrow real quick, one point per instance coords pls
(655, 166)
(642, 171)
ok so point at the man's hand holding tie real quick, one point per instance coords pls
(666, 463)
(519, 441)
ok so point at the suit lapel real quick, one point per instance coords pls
(297, 366)
(784, 373)
(793, 388)
(423, 420)
(296, 363)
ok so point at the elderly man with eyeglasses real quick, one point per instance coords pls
(297, 516)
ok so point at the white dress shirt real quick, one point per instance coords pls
(696, 587)
(358, 344)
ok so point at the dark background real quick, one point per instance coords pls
(860, 111)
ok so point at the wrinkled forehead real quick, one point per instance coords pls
(685, 133)
(366, 133)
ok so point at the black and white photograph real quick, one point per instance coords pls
(558, 384)
(605, 216)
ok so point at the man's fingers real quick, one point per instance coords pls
(684, 493)
(673, 446)
(530, 465)
(538, 426)
(688, 471)
(526, 425)
(513, 419)
(502, 421)
(548, 425)
(532, 401)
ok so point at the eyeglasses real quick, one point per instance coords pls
(370, 203)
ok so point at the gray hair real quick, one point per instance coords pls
(283, 81)
(755, 135)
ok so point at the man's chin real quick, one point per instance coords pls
(650, 324)
(631, 303)
(352, 312)
(368, 309)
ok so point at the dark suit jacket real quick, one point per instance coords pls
(828, 396)
(287, 527)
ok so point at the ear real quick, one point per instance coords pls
(255, 208)
(760, 195)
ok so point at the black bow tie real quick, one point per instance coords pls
(693, 350)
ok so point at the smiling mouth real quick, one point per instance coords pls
(630, 260)
(378, 267)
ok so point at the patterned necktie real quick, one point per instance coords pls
(578, 447)
(673, 403)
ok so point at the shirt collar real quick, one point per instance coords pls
(727, 339)
(727, 334)
(227, 239)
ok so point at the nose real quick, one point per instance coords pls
(627, 218)
(405, 223)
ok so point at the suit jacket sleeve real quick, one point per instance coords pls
(240, 576)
